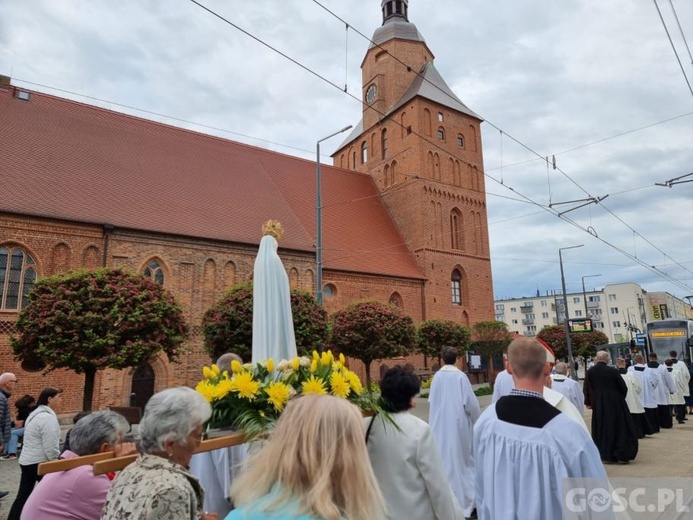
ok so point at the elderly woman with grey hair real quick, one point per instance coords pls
(78, 493)
(158, 485)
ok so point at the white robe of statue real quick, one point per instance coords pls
(273, 325)
(453, 411)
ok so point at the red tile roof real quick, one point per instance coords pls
(68, 160)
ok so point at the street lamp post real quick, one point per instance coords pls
(584, 294)
(318, 217)
(568, 343)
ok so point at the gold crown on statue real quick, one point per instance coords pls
(274, 228)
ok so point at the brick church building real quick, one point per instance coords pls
(404, 208)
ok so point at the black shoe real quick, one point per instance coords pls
(3, 494)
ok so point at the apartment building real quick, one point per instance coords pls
(618, 310)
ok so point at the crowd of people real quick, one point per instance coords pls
(324, 461)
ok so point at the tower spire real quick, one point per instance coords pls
(395, 9)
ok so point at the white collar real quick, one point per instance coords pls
(449, 368)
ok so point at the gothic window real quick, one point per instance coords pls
(293, 278)
(403, 124)
(396, 300)
(441, 134)
(388, 176)
(353, 160)
(436, 167)
(455, 284)
(364, 152)
(154, 271)
(456, 174)
(393, 173)
(440, 117)
(17, 277)
(383, 142)
(460, 140)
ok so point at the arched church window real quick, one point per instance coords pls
(456, 285)
(460, 140)
(154, 272)
(396, 300)
(441, 134)
(456, 226)
(17, 278)
(364, 152)
(383, 142)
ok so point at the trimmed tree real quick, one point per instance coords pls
(228, 325)
(90, 320)
(433, 335)
(372, 330)
(490, 338)
(584, 343)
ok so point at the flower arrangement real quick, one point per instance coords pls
(253, 396)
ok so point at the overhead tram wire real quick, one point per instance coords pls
(435, 145)
(666, 30)
(158, 114)
(683, 35)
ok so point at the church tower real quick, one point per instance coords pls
(422, 147)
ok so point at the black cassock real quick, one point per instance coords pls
(613, 430)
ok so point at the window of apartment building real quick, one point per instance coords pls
(500, 318)
(615, 324)
(597, 312)
(613, 310)
(514, 322)
(530, 316)
(17, 277)
(545, 315)
(455, 280)
(543, 303)
(576, 300)
(593, 298)
(597, 324)
(578, 313)
(612, 297)
(513, 309)
(532, 328)
(500, 307)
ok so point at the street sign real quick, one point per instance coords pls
(640, 338)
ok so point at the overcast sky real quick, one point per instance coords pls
(549, 77)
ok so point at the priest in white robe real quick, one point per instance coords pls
(571, 389)
(633, 397)
(680, 371)
(649, 381)
(524, 447)
(454, 408)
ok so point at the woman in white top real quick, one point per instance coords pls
(41, 443)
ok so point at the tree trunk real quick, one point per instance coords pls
(368, 375)
(89, 377)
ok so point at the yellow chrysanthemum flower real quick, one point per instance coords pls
(223, 388)
(207, 373)
(245, 385)
(325, 359)
(277, 394)
(314, 386)
(236, 367)
(340, 386)
(313, 366)
(270, 365)
(215, 369)
(295, 363)
(354, 381)
(342, 359)
(206, 389)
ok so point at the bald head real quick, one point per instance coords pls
(224, 361)
(602, 357)
(620, 362)
(639, 359)
(527, 358)
(7, 382)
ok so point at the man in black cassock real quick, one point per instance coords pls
(613, 430)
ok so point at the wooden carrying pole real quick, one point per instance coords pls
(107, 462)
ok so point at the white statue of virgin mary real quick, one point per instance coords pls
(273, 325)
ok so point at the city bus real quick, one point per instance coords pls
(663, 336)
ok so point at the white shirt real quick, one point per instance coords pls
(571, 389)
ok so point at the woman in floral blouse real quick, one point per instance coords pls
(158, 485)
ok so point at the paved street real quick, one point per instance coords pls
(666, 454)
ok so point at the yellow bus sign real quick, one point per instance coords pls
(667, 333)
